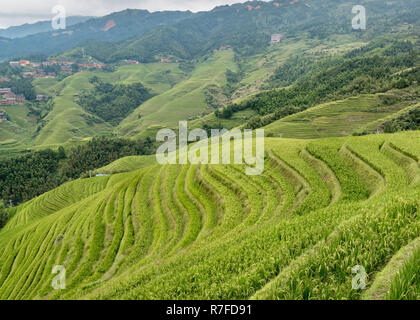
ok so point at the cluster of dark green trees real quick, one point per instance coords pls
(20, 86)
(377, 68)
(407, 121)
(112, 103)
(25, 177)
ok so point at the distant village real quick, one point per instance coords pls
(8, 98)
(36, 70)
(39, 70)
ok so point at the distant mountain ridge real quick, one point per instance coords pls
(248, 27)
(111, 28)
(28, 29)
(149, 36)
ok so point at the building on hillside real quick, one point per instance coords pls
(66, 69)
(165, 60)
(40, 97)
(35, 65)
(20, 99)
(24, 63)
(28, 75)
(9, 95)
(5, 90)
(4, 79)
(91, 65)
(223, 48)
(8, 98)
(276, 38)
(131, 62)
(8, 101)
(14, 64)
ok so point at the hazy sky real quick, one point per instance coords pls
(16, 12)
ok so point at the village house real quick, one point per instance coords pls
(4, 79)
(223, 48)
(9, 95)
(165, 60)
(66, 69)
(28, 75)
(8, 98)
(276, 38)
(91, 65)
(5, 90)
(20, 99)
(131, 61)
(42, 98)
(24, 63)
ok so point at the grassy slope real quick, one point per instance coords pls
(320, 208)
(67, 120)
(259, 68)
(184, 101)
(17, 133)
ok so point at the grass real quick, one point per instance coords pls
(397, 281)
(212, 232)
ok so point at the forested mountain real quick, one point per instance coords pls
(114, 27)
(248, 27)
(371, 69)
(38, 27)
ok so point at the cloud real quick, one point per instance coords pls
(16, 12)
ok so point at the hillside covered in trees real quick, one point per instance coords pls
(25, 177)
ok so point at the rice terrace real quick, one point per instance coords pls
(105, 195)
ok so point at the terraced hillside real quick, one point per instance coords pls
(185, 100)
(320, 208)
(68, 121)
(344, 117)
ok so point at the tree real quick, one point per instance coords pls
(61, 153)
(75, 67)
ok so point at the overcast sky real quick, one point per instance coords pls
(16, 12)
